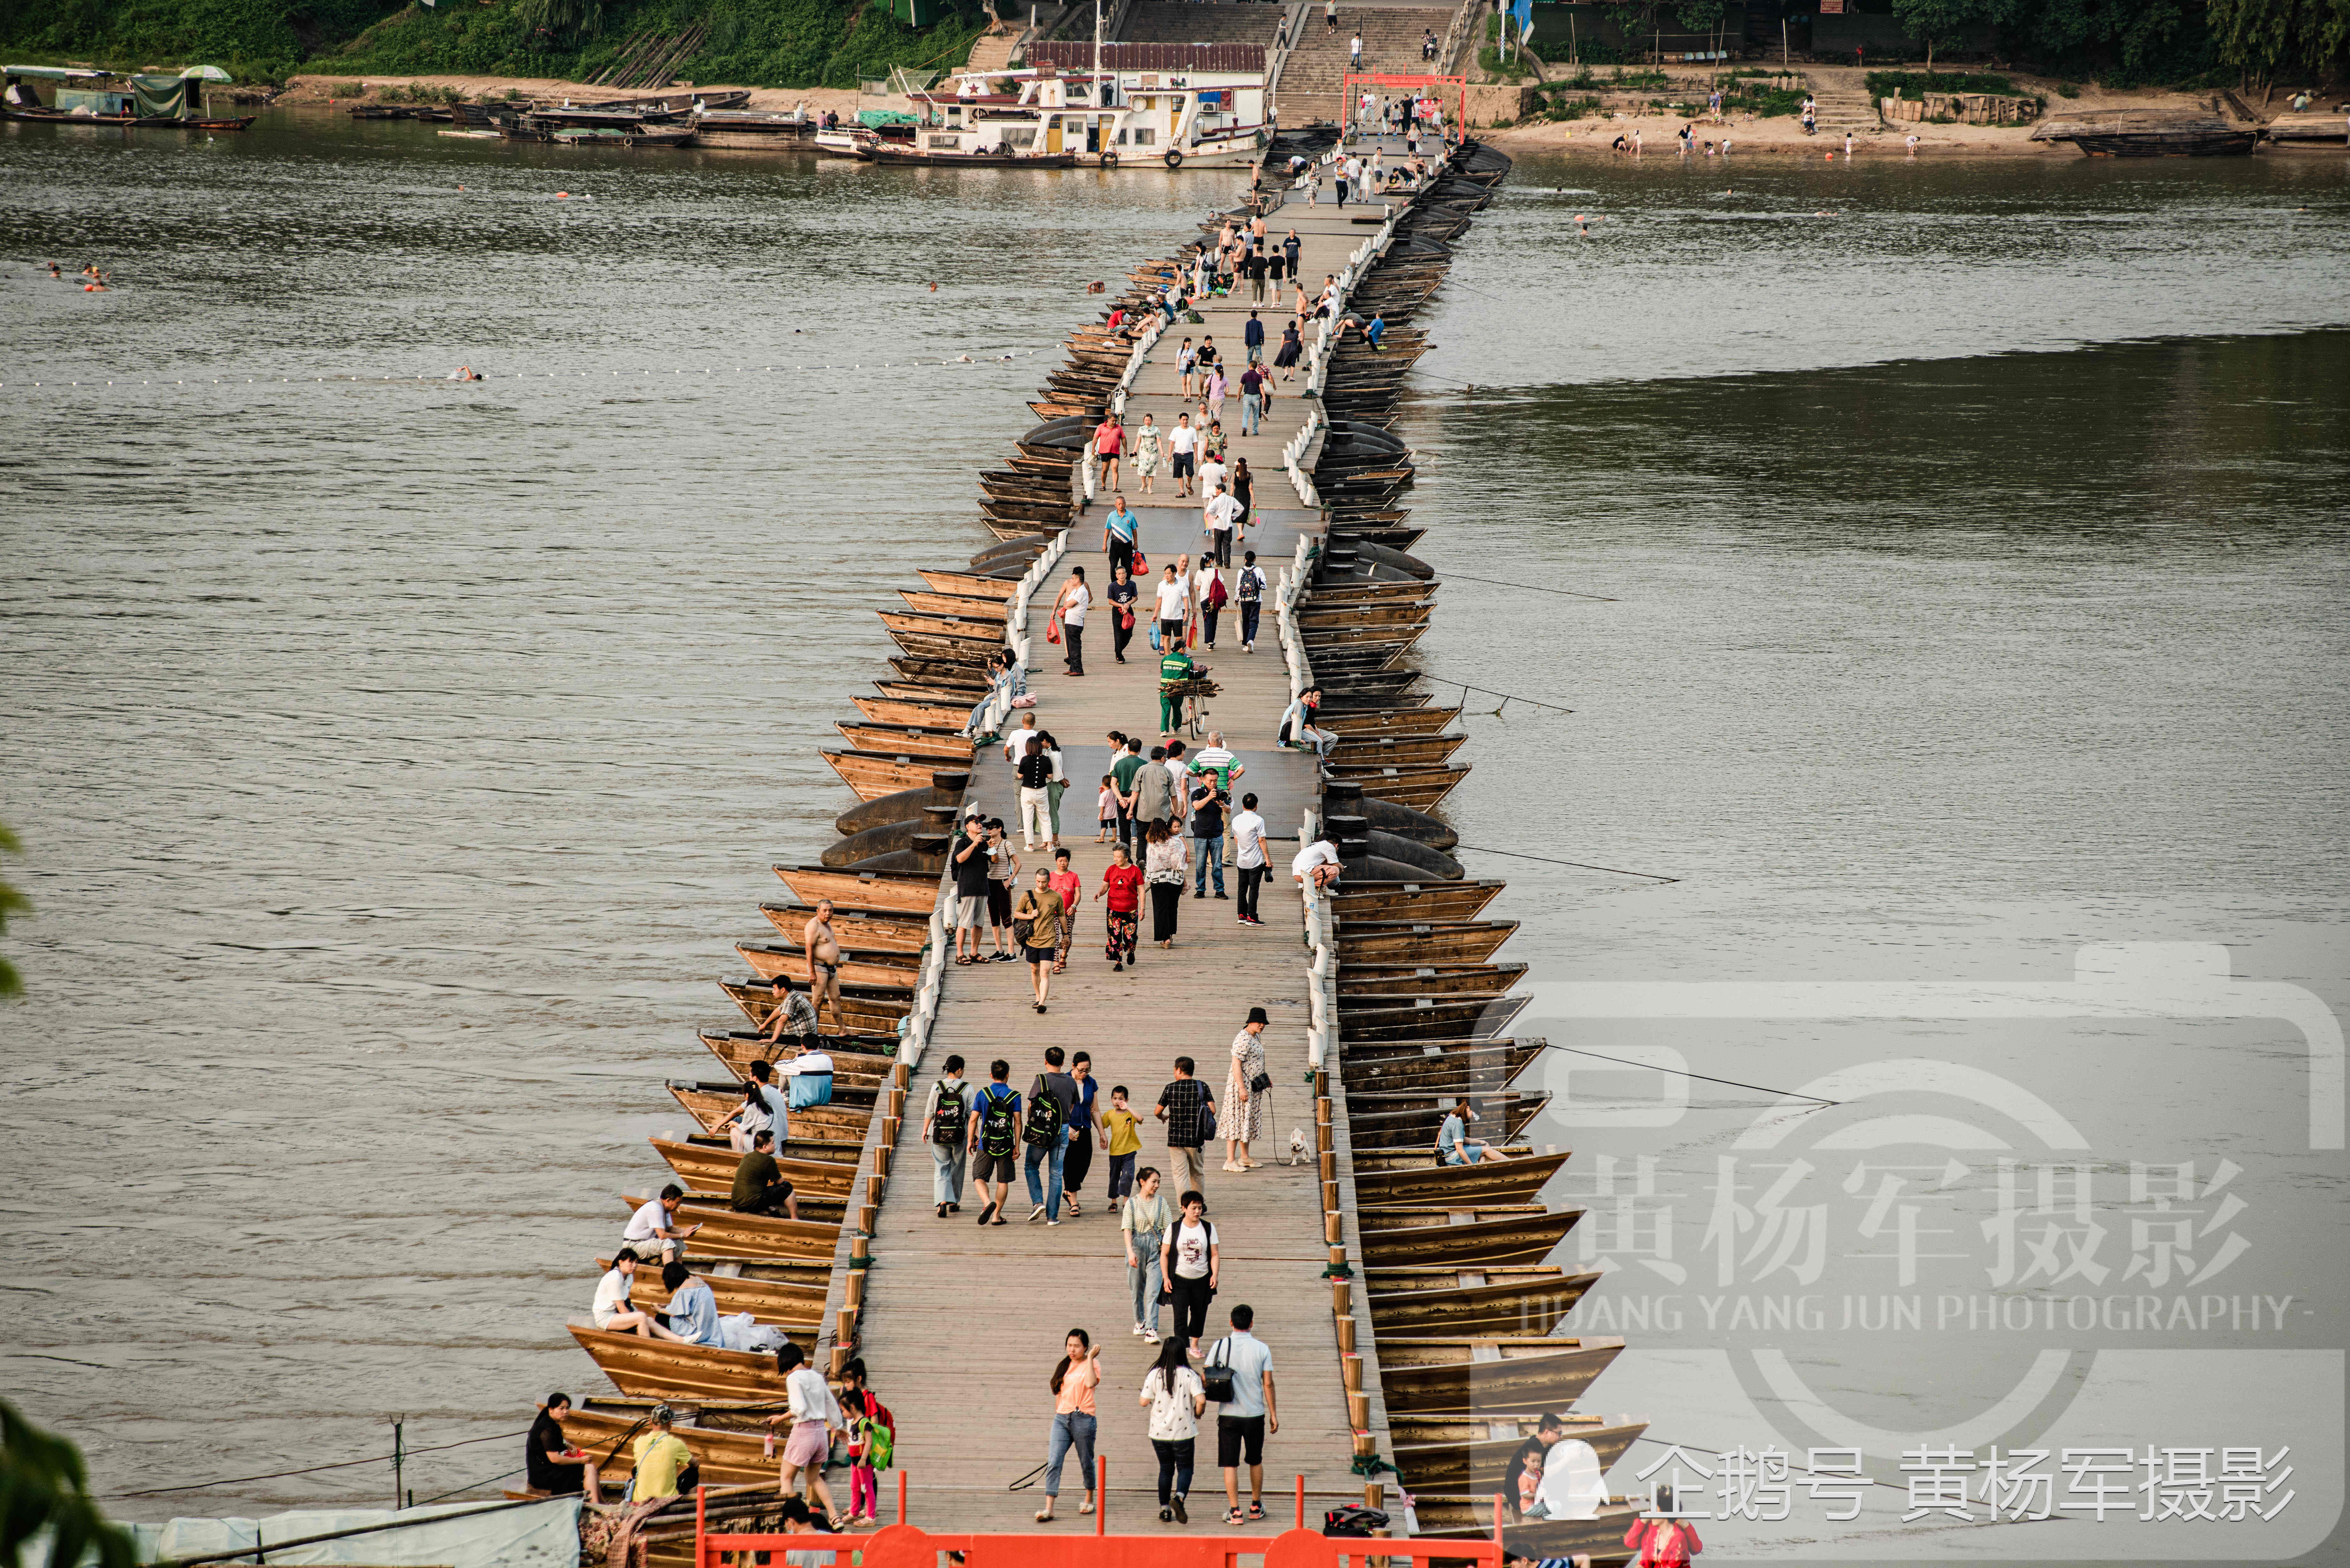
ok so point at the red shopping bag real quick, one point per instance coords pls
(1053, 630)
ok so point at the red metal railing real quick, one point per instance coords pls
(903, 1545)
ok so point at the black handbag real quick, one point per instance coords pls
(1216, 1377)
(1261, 1083)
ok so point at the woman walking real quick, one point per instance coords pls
(1244, 1101)
(1145, 452)
(1291, 345)
(1146, 1217)
(1176, 1398)
(1212, 396)
(1122, 888)
(1213, 596)
(1074, 1382)
(1056, 783)
(1191, 1258)
(1073, 894)
(1036, 923)
(1164, 862)
(813, 1416)
(1109, 439)
(1243, 484)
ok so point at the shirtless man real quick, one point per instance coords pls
(824, 962)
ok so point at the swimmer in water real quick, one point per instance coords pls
(55, 271)
(463, 373)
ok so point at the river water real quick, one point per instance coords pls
(395, 760)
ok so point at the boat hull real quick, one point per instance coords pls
(1515, 1302)
(658, 1369)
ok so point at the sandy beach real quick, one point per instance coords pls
(335, 89)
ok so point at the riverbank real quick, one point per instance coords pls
(340, 90)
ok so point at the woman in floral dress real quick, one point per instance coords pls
(1245, 1109)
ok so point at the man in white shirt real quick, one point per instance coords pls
(1182, 451)
(1071, 607)
(613, 1312)
(1316, 863)
(1016, 744)
(1243, 1420)
(1220, 517)
(652, 1228)
(1174, 606)
(1248, 834)
(1213, 474)
(815, 1066)
(1179, 769)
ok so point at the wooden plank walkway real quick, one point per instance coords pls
(961, 1325)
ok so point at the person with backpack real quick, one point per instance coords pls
(995, 1138)
(1250, 593)
(1190, 1260)
(946, 1127)
(1044, 1129)
(1176, 1397)
(872, 1442)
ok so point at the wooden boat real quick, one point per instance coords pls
(957, 605)
(807, 1279)
(1515, 1233)
(926, 715)
(882, 892)
(882, 933)
(1004, 527)
(1476, 1048)
(1350, 724)
(1403, 753)
(2134, 135)
(1421, 789)
(1469, 1454)
(1423, 1027)
(661, 1369)
(864, 1012)
(726, 1234)
(878, 970)
(1324, 643)
(1472, 1373)
(2308, 125)
(1416, 903)
(608, 1429)
(1312, 618)
(1471, 1518)
(1362, 984)
(1410, 1121)
(811, 1126)
(1447, 941)
(873, 774)
(947, 692)
(988, 634)
(911, 742)
(972, 584)
(965, 667)
(855, 1058)
(1515, 1302)
(710, 1167)
(1453, 1069)
(1441, 1017)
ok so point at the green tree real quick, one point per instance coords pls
(11, 902)
(1939, 24)
(44, 1487)
(2260, 36)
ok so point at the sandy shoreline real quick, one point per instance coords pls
(311, 88)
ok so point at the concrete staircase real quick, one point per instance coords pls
(1175, 22)
(992, 51)
(1843, 104)
(1312, 82)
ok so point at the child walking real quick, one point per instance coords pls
(872, 1441)
(1106, 808)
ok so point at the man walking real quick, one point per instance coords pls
(1251, 406)
(1051, 1102)
(1253, 337)
(1071, 607)
(996, 1140)
(1248, 842)
(1207, 835)
(946, 1127)
(1182, 1104)
(1182, 453)
(1154, 793)
(968, 862)
(1035, 772)
(1121, 780)
(1118, 531)
(1243, 1420)
(1248, 587)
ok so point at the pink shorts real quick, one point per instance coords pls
(806, 1444)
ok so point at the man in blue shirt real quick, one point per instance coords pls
(1243, 1420)
(1253, 336)
(1118, 531)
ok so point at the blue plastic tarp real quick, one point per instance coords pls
(460, 1535)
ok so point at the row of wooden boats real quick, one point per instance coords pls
(1470, 1321)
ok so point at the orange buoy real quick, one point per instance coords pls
(90, 288)
(561, 196)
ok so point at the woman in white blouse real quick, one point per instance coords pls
(1164, 865)
(1177, 1397)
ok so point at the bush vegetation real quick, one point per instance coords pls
(756, 43)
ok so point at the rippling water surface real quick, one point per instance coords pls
(396, 760)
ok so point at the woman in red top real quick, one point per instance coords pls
(1072, 891)
(1109, 439)
(1662, 1543)
(1122, 886)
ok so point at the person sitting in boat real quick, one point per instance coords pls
(692, 1308)
(759, 1184)
(793, 1013)
(811, 1073)
(653, 1231)
(1453, 1144)
(552, 1462)
(662, 1460)
(612, 1309)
